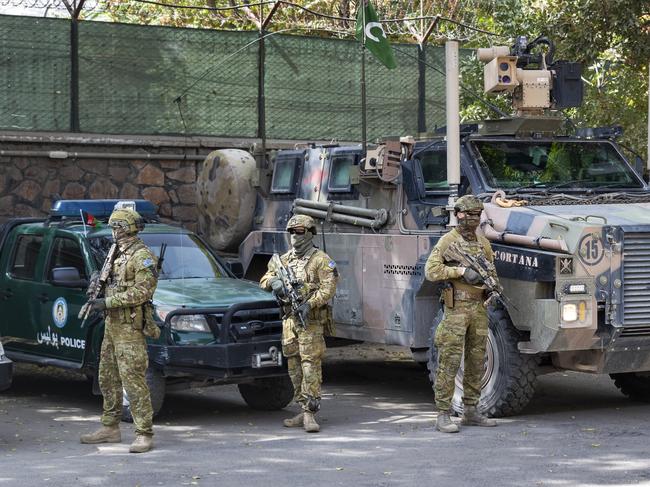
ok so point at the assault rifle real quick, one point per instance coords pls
(293, 298)
(97, 286)
(484, 268)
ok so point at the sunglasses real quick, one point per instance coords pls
(297, 231)
(473, 213)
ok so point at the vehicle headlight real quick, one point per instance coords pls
(574, 311)
(2, 352)
(576, 289)
(569, 312)
(190, 323)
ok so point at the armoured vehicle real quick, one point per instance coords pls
(216, 329)
(567, 215)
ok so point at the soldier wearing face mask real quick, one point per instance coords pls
(464, 327)
(123, 357)
(304, 348)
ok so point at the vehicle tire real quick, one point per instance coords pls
(156, 383)
(510, 377)
(635, 385)
(267, 394)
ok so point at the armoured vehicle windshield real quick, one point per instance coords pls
(554, 164)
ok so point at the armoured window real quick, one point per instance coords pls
(26, 253)
(339, 180)
(554, 164)
(434, 169)
(66, 253)
(284, 174)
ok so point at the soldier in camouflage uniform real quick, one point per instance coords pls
(465, 322)
(304, 347)
(123, 357)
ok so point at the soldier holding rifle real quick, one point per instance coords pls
(465, 323)
(128, 281)
(304, 280)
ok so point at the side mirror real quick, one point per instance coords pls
(68, 277)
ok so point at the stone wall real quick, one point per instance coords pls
(32, 176)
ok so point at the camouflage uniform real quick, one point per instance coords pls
(304, 347)
(124, 359)
(465, 326)
(123, 356)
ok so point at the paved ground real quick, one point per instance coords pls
(377, 431)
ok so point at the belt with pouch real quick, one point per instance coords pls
(463, 295)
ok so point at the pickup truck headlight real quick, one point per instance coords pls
(183, 322)
(2, 352)
(190, 323)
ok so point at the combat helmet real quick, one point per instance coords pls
(127, 219)
(303, 221)
(469, 202)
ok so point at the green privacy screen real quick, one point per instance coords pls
(158, 80)
(34, 74)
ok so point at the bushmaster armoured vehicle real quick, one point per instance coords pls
(567, 215)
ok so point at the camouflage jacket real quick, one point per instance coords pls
(132, 283)
(438, 268)
(319, 274)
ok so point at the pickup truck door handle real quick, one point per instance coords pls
(7, 293)
(43, 297)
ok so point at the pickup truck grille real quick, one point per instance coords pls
(636, 284)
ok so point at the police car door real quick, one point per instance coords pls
(21, 266)
(62, 297)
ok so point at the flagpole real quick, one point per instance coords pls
(364, 136)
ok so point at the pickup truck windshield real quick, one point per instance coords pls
(186, 257)
(545, 164)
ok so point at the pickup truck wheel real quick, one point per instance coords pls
(268, 394)
(635, 385)
(509, 380)
(156, 383)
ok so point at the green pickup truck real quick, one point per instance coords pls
(216, 328)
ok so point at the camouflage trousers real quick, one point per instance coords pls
(463, 328)
(304, 350)
(123, 364)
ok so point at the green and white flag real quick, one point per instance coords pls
(370, 31)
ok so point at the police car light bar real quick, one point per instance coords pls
(100, 209)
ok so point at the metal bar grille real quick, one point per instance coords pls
(636, 284)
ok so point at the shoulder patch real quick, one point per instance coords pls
(331, 264)
(148, 262)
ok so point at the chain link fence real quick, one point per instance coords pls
(160, 80)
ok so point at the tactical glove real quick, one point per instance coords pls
(470, 276)
(277, 287)
(98, 304)
(303, 311)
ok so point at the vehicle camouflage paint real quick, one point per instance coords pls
(567, 216)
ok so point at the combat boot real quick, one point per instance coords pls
(294, 422)
(310, 424)
(141, 444)
(105, 434)
(444, 423)
(472, 417)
